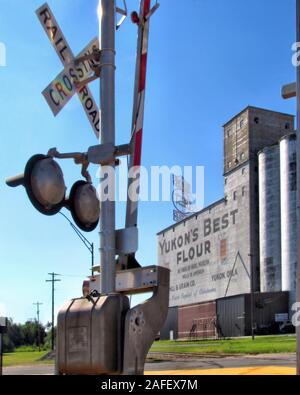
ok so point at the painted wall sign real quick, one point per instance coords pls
(202, 251)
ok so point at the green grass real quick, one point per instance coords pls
(24, 358)
(261, 345)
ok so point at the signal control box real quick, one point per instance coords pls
(89, 336)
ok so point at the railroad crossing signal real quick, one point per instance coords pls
(63, 87)
(119, 336)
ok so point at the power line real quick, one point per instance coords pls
(53, 281)
(85, 241)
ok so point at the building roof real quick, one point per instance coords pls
(242, 164)
(256, 108)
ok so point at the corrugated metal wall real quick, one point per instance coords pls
(267, 305)
(226, 317)
(197, 321)
(231, 316)
(234, 314)
(171, 324)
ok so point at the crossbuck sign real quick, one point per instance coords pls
(63, 87)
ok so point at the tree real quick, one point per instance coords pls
(28, 334)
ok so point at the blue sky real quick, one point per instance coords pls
(208, 59)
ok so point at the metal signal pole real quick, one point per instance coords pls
(53, 281)
(298, 183)
(38, 304)
(107, 16)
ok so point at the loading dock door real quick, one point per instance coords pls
(231, 317)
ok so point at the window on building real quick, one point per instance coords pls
(287, 126)
(226, 181)
(244, 191)
(235, 195)
(243, 171)
(242, 123)
(223, 249)
(242, 156)
(256, 120)
(229, 132)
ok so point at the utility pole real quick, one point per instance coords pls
(53, 281)
(298, 183)
(107, 16)
(38, 304)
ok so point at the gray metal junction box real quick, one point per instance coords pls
(89, 336)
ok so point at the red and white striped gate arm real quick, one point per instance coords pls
(143, 21)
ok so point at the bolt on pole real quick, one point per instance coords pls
(298, 183)
(107, 13)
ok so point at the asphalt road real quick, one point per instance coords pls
(282, 360)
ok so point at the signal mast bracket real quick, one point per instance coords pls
(152, 11)
(79, 159)
(95, 56)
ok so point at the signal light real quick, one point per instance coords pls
(84, 206)
(44, 184)
(135, 18)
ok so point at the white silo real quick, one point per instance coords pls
(269, 219)
(288, 180)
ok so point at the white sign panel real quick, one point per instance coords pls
(284, 317)
(62, 89)
(55, 34)
(59, 97)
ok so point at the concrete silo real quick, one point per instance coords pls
(269, 219)
(288, 180)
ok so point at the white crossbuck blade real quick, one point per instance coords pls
(60, 91)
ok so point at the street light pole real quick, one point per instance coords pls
(107, 16)
(298, 183)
